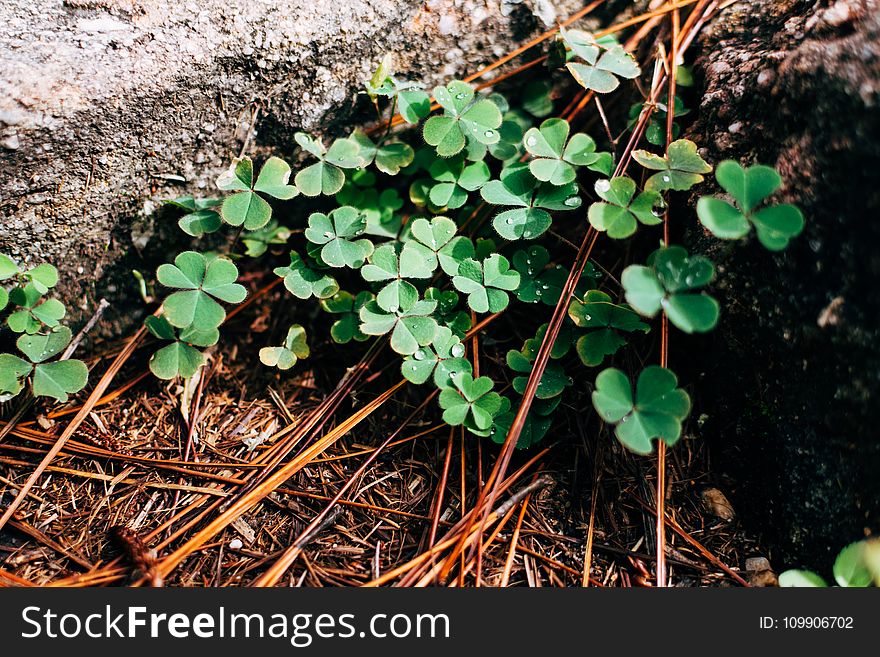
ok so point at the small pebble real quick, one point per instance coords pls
(235, 544)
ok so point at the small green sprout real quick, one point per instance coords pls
(257, 242)
(680, 169)
(464, 118)
(412, 103)
(294, 348)
(247, 207)
(556, 156)
(657, 411)
(621, 209)
(326, 176)
(668, 282)
(749, 187)
(203, 282)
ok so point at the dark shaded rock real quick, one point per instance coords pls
(791, 392)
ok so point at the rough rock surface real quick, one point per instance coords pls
(108, 106)
(791, 396)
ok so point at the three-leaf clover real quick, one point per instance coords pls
(597, 72)
(553, 381)
(605, 320)
(256, 242)
(432, 243)
(347, 306)
(749, 187)
(536, 281)
(667, 282)
(411, 326)
(389, 157)
(180, 358)
(386, 265)
(657, 411)
(334, 234)
(444, 358)
(529, 201)
(285, 356)
(448, 312)
(326, 176)
(454, 179)
(201, 215)
(246, 207)
(42, 277)
(202, 281)
(680, 169)
(621, 208)
(486, 283)
(533, 431)
(470, 402)
(463, 117)
(304, 282)
(556, 156)
(34, 313)
(57, 379)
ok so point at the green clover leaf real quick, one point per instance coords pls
(680, 169)
(801, 578)
(606, 320)
(410, 326)
(775, 225)
(247, 207)
(201, 215)
(621, 208)
(256, 242)
(13, 372)
(556, 156)
(334, 234)
(657, 411)
(326, 176)
(599, 73)
(35, 313)
(304, 282)
(56, 379)
(534, 430)
(667, 283)
(386, 265)
(486, 284)
(529, 201)
(181, 357)
(444, 358)
(447, 312)
(455, 180)
(537, 98)
(850, 569)
(412, 103)
(42, 277)
(433, 243)
(347, 327)
(463, 118)
(537, 282)
(201, 281)
(285, 356)
(8, 268)
(470, 402)
(553, 382)
(389, 157)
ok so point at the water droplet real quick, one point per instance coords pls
(419, 355)
(572, 201)
(545, 287)
(625, 418)
(538, 293)
(528, 261)
(658, 210)
(509, 221)
(328, 233)
(527, 233)
(489, 133)
(453, 375)
(459, 96)
(530, 271)
(666, 178)
(603, 185)
(688, 280)
(413, 367)
(458, 350)
(531, 141)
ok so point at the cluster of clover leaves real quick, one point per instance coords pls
(398, 246)
(856, 566)
(34, 323)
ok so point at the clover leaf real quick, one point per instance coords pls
(621, 208)
(597, 72)
(680, 169)
(433, 243)
(285, 356)
(561, 345)
(463, 118)
(181, 357)
(536, 281)
(48, 379)
(667, 283)
(412, 103)
(203, 282)
(775, 225)
(529, 201)
(447, 312)
(8, 269)
(533, 431)
(486, 283)
(470, 402)
(556, 156)
(247, 207)
(454, 180)
(410, 325)
(655, 132)
(347, 327)
(801, 579)
(606, 320)
(34, 312)
(553, 381)
(389, 157)
(386, 265)
(256, 242)
(304, 282)
(379, 208)
(201, 215)
(444, 358)
(326, 176)
(42, 277)
(334, 234)
(13, 373)
(657, 411)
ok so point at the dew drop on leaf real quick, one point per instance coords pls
(419, 355)
(509, 221)
(489, 133)
(457, 350)
(588, 317)
(531, 141)
(538, 293)
(459, 96)
(572, 201)
(327, 233)
(665, 178)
